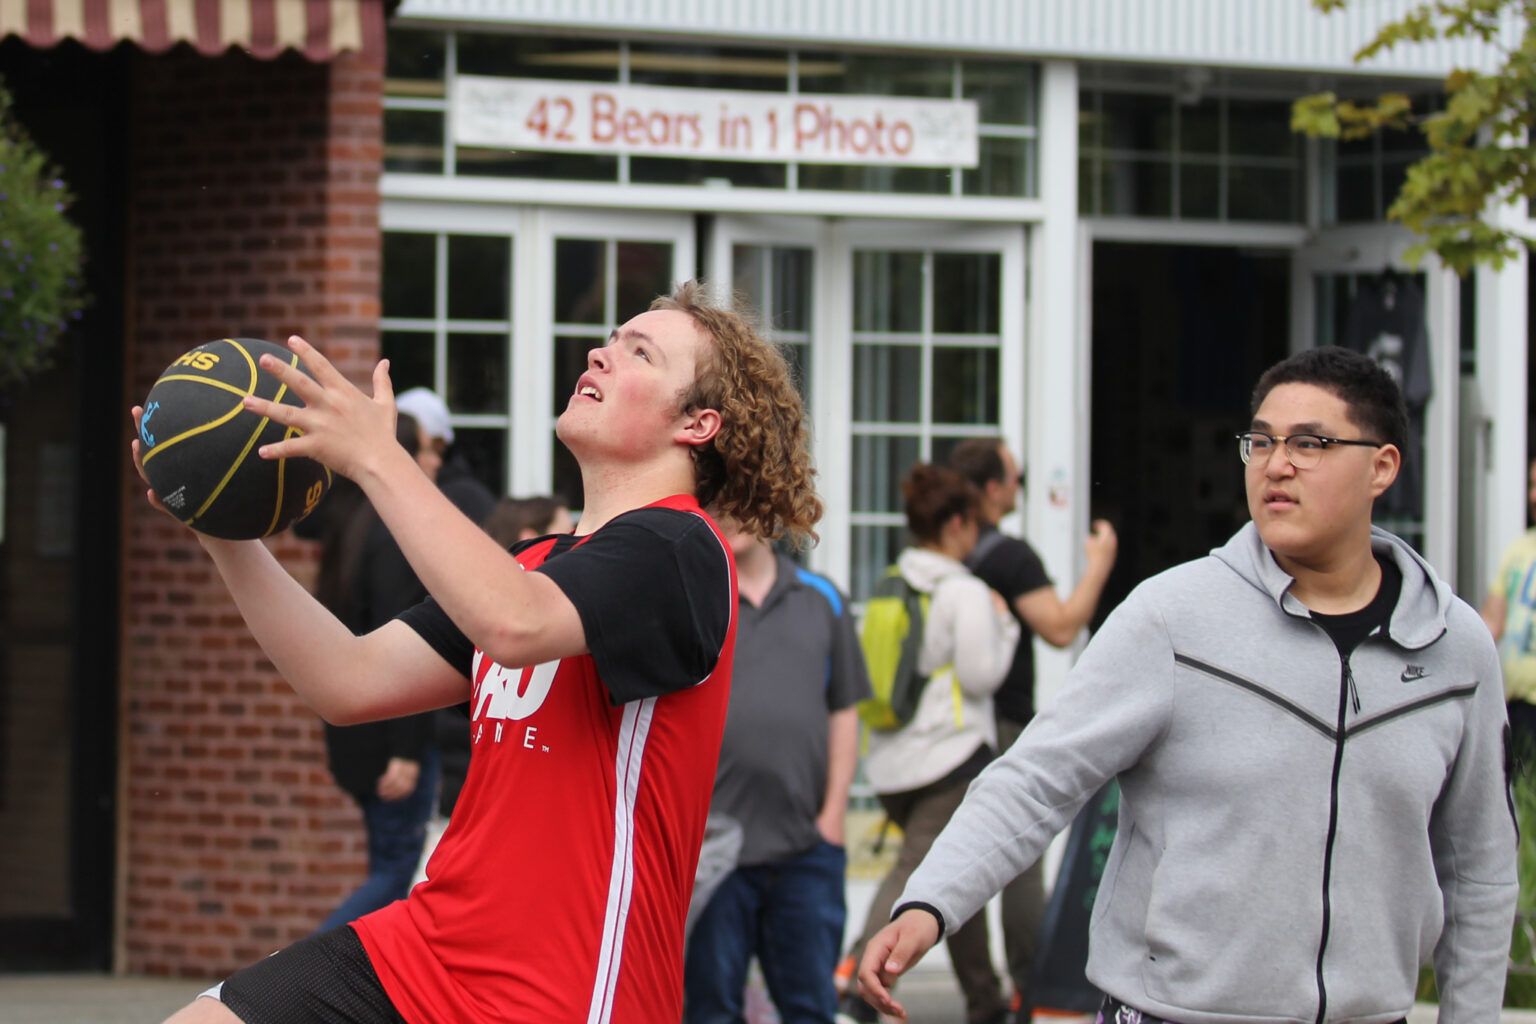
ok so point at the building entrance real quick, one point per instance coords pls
(1180, 335)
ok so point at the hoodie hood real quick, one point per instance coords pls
(924, 568)
(1419, 617)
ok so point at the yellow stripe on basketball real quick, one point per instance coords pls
(221, 385)
(251, 441)
(249, 390)
(202, 428)
(282, 478)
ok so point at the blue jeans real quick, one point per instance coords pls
(790, 914)
(397, 829)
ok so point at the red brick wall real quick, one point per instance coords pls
(254, 213)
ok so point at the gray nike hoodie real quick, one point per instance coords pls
(1297, 833)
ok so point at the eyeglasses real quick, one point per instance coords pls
(1304, 451)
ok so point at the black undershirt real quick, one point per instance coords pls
(1348, 629)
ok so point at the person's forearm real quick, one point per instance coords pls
(1085, 597)
(309, 647)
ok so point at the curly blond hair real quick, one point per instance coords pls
(757, 468)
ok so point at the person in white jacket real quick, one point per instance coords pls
(920, 771)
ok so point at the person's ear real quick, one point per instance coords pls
(1385, 465)
(699, 426)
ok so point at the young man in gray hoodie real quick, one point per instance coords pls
(1309, 734)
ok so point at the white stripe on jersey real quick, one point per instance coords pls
(621, 878)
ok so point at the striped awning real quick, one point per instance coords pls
(319, 29)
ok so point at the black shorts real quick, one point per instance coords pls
(323, 979)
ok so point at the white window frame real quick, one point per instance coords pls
(833, 242)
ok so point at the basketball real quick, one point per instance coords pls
(199, 445)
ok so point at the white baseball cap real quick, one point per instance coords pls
(428, 409)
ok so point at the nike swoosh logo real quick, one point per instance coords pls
(1409, 677)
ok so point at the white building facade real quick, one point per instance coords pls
(1084, 225)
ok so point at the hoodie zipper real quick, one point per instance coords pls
(1348, 696)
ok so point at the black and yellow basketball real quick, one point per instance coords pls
(199, 444)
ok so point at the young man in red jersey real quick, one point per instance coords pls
(596, 664)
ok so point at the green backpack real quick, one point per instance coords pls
(892, 636)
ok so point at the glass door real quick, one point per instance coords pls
(1350, 286)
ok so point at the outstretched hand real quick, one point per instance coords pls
(890, 954)
(341, 427)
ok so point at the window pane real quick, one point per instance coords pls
(876, 75)
(791, 308)
(580, 281)
(879, 463)
(474, 161)
(485, 450)
(519, 56)
(479, 277)
(842, 178)
(888, 291)
(1393, 174)
(477, 373)
(1200, 191)
(1087, 193)
(965, 292)
(749, 275)
(410, 355)
(741, 174)
(413, 141)
(1356, 194)
(407, 272)
(1138, 122)
(887, 383)
(1134, 188)
(709, 67)
(645, 271)
(570, 364)
(799, 359)
(1200, 127)
(1258, 128)
(965, 385)
(1090, 125)
(1261, 193)
(1408, 141)
(1001, 168)
(414, 64)
(1004, 91)
(874, 548)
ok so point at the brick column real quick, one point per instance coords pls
(254, 212)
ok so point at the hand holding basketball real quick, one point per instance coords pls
(338, 425)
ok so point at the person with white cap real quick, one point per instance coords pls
(455, 479)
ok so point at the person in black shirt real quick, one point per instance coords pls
(1010, 566)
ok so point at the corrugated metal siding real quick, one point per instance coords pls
(1236, 33)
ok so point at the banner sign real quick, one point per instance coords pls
(586, 117)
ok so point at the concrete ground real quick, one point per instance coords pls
(930, 996)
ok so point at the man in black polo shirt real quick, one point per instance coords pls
(1012, 568)
(787, 760)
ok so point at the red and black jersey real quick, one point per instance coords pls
(559, 891)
